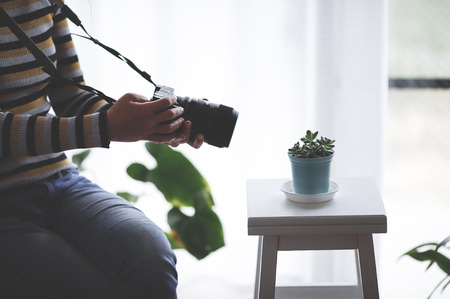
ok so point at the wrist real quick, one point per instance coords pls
(105, 134)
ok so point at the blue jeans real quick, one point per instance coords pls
(65, 237)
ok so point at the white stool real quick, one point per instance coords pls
(346, 222)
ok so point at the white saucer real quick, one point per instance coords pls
(288, 190)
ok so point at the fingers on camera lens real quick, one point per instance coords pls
(171, 126)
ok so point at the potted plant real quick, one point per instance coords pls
(310, 163)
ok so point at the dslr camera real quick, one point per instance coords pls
(215, 121)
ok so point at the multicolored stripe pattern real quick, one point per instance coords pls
(32, 140)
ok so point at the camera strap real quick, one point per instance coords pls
(47, 65)
(74, 19)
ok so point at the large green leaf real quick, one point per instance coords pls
(201, 233)
(183, 186)
(175, 176)
(139, 172)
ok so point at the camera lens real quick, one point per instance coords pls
(216, 122)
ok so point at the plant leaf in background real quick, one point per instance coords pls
(431, 254)
(175, 176)
(139, 172)
(175, 241)
(183, 186)
(79, 158)
(200, 234)
(128, 196)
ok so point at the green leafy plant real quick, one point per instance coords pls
(79, 158)
(432, 253)
(182, 186)
(310, 147)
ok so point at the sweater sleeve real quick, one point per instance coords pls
(25, 126)
(31, 135)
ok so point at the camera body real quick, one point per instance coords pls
(215, 121)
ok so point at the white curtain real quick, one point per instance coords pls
(285, 65)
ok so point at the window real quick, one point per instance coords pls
(417, 188)
(419, 101)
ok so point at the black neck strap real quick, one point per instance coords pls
(47, 64)
(74, 19)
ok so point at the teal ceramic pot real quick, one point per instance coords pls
(311, 175)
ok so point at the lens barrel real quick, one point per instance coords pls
(216, 122)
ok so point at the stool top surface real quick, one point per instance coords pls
(356, 207)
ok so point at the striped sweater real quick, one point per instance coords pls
(33, 140)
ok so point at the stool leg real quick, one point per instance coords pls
(267, 264)
(358, 274)
(258, 268)
(368, 266)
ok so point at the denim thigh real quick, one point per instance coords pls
(128, 252)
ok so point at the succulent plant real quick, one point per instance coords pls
(310, 147)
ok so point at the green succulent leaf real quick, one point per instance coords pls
(312, 148)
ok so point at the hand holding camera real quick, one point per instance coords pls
(133, 117)
(211, 122)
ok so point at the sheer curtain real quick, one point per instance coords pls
(285, 65)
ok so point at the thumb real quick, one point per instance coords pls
(133, 97)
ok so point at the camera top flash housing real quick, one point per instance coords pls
(162, 92)
(215, 121)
